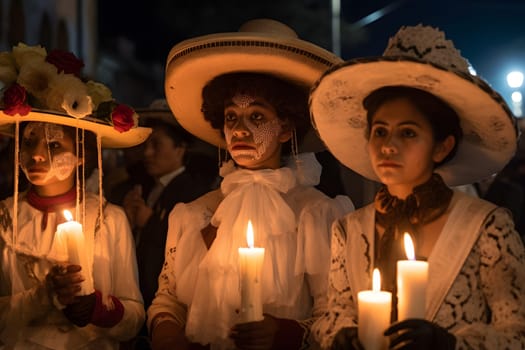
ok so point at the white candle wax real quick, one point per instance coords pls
(412, 279)
(374, 307)
(250, 267)
(71, 234)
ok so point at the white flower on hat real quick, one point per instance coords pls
(35, 76)
(24, 54)
(68, 93)
(99, 93)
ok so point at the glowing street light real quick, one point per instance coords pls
(516, 97)
(515, 82)
(515, 79)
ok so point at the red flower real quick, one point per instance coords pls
(15, 99)
(65, 61)
(122, 118)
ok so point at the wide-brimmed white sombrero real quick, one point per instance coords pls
(422, 58)
(260, 46)
(46, 87)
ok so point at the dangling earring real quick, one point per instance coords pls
(295, 152)
(295, 146)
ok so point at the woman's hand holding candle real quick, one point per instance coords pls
(65, 282)
(70, 235)
(413, 331)
(419, 334)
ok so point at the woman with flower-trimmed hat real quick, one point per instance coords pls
(61, 290)
(246, 92)
(416, 120)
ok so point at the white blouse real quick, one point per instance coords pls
(476, 276)
(291, 220)
(28, 319)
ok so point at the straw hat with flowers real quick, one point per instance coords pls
(37, 85)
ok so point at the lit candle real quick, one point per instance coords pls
(412, 277)
(250, 266)
(70, 235)
(374, 315)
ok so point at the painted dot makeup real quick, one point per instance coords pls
(263, 135)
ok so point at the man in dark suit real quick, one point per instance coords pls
(182, 172)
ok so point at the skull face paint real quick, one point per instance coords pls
(46, 153)
(243, 100)
(254, 132)
(263, 135)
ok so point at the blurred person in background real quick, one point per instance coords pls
(182, 170)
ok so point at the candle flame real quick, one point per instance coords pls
(409, 247)
(67, 215)
(249, 234)
(376, 281)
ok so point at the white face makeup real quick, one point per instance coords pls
(46, 153)
(263, 135)
(243, 100)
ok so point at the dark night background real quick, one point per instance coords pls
(489, 33)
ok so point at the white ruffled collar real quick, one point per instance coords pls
(305, 167)
(254, 195)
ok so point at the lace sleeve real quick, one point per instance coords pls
(502, 276)
(165, 301)
(342, 308)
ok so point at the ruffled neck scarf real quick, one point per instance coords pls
(51, 204)
(425, 204)
(254, 195)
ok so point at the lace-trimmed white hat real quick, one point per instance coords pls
(260, 46)
(422, 58)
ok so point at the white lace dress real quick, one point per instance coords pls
(28, 320)
(476, 284)
(291, 220)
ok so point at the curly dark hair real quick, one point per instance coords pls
(290, 100)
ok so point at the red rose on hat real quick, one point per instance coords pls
(15, 101)
(65, 61)
(122, 118)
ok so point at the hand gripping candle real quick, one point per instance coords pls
(374, 315)
(250, 267)
(412, 277)
(70, 235)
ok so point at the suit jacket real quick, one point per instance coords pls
(185, 187)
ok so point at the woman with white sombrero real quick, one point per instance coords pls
(246, 92)
(416, 120)
(62, 285)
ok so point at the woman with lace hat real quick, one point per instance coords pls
(246, 92)
(61, 289)
(417, 121)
